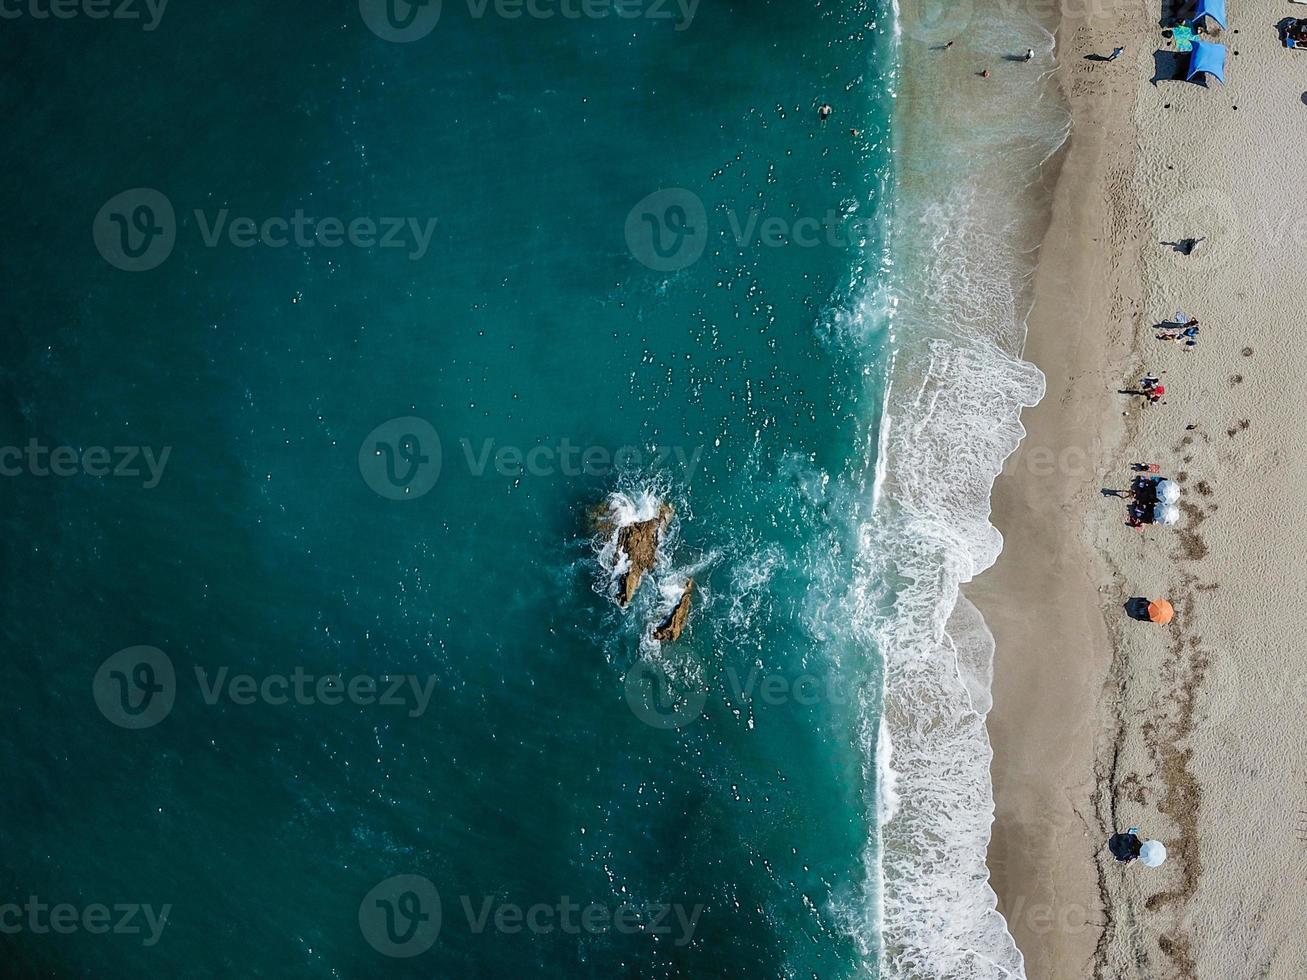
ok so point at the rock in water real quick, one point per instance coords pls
(639, 542)
(670, 630)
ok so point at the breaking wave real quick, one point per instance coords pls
(965, 230)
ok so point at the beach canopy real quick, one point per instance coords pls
(1168, 492)
(1169, 515)
(1215, 9)
(1153, 853)
(1208, 57)
(1161, 611)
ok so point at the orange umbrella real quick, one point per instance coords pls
(1161, 611)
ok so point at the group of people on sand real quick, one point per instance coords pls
(1184, 331)
(1029, 56)
(1144, 507)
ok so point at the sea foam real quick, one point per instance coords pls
(965, 228)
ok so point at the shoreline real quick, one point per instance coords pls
(970, 208)
(1048, 670)
(1100, 723)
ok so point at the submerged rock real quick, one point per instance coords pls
(639, 543)
(672, 626)
(601, 518)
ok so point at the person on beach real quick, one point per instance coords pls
(1116, 53)
(1186, 246)
(1030, 54)
(1186, 338)
(1150, 388)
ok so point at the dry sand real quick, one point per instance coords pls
(1190, 732)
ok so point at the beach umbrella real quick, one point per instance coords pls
(1168, 491)
(1152, 854)
(1161, 611)
(1170, 514)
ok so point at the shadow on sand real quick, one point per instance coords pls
(1169, 66)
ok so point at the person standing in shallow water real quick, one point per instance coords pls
(1030, 54)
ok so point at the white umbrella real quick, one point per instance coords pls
(1152, 854)
(1168, 492)
(1169, 515)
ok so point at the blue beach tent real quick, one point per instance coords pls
(1209, 57)
(1215, 9)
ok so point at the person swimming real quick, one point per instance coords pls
(823, 111)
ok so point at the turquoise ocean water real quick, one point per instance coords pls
(530, 324)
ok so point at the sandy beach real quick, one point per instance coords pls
(1101, 722)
